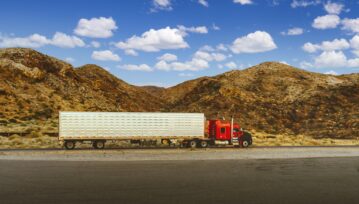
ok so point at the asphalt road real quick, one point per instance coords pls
(313, 180)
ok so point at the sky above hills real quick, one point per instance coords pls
(165, 42)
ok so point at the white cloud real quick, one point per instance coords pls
(331, 72)
(231, 65)
(203, 2)
(221, 47)
(215, 27)
(200, 29)
(155, 40)
(96, 27)
(326, 22)
(351, 25)
(333, 8)
(331, 59)
(161, 5)
(293, 31)
(284, 62)
(354, 42)
(131, 52)
(356, 52)
(69, 59)
(95, 44)
(34, 41)
(258, 41)
(209, 56)
(185, 74)
(134, 67)
(304, 3)
(306, 65)
(66, 41)
(353, 62)
(207, 48)
(243, 2)
(168, 57)
(105, 55)
(336, 44)
(193, 65)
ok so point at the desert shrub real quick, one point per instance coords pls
(35, 134)
(12, 120)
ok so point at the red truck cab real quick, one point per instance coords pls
(220, 132)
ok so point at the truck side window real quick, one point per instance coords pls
(235, 130)
(223, 130)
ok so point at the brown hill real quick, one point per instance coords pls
(36, 86)
(270, 97)
(275, 97)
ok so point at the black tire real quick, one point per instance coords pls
(100, 144)
(203, 144)
(245, 143)
(70, 144)
(192, 144)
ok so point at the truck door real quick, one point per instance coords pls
(222, 134)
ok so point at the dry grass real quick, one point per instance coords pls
(38, 140)
(263, 139)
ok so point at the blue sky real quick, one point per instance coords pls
(165, 42)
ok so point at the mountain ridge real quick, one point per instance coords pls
(270, 97)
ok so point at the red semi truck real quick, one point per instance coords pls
(187, 129)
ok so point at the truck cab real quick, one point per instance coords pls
(221, 132)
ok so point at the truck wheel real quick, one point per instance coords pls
(203, 144)
(69, 144)
(192, 144)
(99, 144)
(245, 143)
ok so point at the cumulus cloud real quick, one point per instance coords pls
(351, 25)
(331, 59)
(95, 44)
(333, 8)
(215, 27)
(231, 65)
(203, 2)
(193, 65)
(185, 74)
(131, 52)
(210, 56)
(259, 41)
(96, 27)
(105, 55)
(134, 67)
(161, 5)
(336, 44)
(36, 40)
(200, 29)
(326, 22)
(243, 2)
(69, 59)
(304, 3)
(155, 40)
(293, 31)
(354, 42)
(168, 57)
(66, 41)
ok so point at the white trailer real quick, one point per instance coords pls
(98, 127)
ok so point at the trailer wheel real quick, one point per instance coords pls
(203, 144)
(100, 144)
(69, 144)
(192, 144)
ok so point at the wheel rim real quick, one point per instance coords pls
(203, 144)
(193, 144)
(245, 143)
(100, 145)
(70, 145)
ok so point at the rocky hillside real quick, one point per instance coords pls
(275, 97)
(37, 86)
(270, 97)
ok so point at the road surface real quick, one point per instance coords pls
(291, 180)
